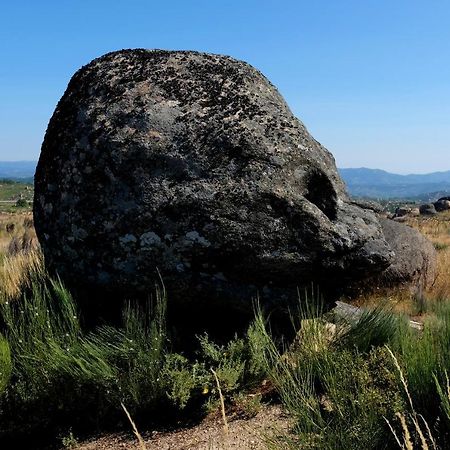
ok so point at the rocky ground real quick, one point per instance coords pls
(243, 434)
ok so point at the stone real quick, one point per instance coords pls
(414, 262)
(402, 211)
(427, 209)
(191, 167)
(442, 205)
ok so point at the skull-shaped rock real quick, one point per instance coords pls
(193, 165)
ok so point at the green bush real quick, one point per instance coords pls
(21, 203)
(339, 382)
(55, 374)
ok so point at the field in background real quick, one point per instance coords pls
(15, 197)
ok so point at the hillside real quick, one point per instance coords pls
(377, 183)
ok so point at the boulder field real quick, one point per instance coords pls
(192, 167)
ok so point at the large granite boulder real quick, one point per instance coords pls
(192, 165)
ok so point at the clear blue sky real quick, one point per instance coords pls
(369, 78)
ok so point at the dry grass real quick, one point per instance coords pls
(20, 256)
(437, 229)
(222, 404)
(13, 225)
(425, 436)
(17, 272)
(139, 437)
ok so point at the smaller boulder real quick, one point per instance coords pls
(415, 260)
(427, 209)
(402, 211)
(415, 212)
(442, 205)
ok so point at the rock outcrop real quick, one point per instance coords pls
(193, 165)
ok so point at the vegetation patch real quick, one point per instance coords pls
(367, 382)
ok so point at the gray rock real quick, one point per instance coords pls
(402, 211)
(427, 209)
(193, 165)
(442, 205)
(415, 261)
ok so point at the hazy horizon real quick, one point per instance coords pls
(339, 167)
(369, 80)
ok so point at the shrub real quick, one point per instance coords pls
(21, 203)
(55, 374)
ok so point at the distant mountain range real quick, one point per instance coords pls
(363, 182)
(17, 170)
(379, 184)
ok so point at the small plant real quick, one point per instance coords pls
(249, 405)
(69, 441)
(185, 380)
(440, 246)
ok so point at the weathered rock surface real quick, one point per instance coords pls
(428, 209)
(192, 164)
(442, 205)
(415, 257)
(402, 211)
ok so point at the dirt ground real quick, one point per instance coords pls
(243, 434)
